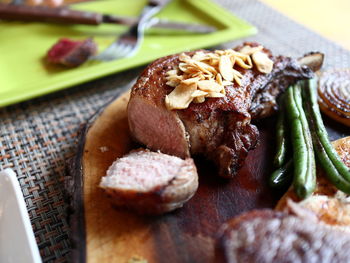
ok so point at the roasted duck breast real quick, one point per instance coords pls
(219, 128)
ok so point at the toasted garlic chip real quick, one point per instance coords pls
(183, 57)
(218, 79)
(215, 95)
(248, 50)
(209, 85)
(191, 81)
(226, 68)
(199, 93)
(180, 97)
(245, 63)
(199, 99)
(263, 63)
(206, 74)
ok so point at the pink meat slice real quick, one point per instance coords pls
(71, 53)
(150, 182)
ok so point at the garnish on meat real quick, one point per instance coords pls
(205, 74)
(150, 182)
(71, 53)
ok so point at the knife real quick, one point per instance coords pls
(69, 16)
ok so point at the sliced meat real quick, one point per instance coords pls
(71, 53)
(266, 236)
(150, 182)
(219, 128)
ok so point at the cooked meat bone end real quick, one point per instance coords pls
(267, 236)
(218, 128)
(150, 182)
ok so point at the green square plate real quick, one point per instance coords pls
(24, 73)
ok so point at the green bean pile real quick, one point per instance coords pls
(309, 138)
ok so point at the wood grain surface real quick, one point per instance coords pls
(107, 234)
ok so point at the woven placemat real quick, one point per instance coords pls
(38, 136)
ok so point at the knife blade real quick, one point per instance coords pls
(69, 16)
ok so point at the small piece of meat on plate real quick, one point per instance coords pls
(150, 182)
(71, 53)
(264, 236)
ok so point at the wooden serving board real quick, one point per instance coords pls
(102, 233)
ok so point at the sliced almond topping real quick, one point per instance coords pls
(248, 50)
(238, 80)
(206, 74)
(172, 72)
(209, 85)
(199, 93)
(199, 99)
(215, 95)
(263, 63)
(226, 83)
(226, 68)
(237, 73)
(180, 97)
(223, 91)
(245, 63)
(204, 67)
(199, 56)
(183, 66)
(218, 79)
(172, 83)
(183, 57)
(191, 81)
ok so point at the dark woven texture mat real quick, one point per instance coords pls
(38, 136)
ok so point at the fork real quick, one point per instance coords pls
(127, 44)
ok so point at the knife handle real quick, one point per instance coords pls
(46, 14)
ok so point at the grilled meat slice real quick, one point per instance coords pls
(219, 128)
(71, 53)
(268, 236)
(150, 182)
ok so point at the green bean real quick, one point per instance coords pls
(281, 139)
(304, 180)
(282, 176)
(331, 171)
(310, 181)
(311, 93)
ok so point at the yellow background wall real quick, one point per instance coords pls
(330, 18)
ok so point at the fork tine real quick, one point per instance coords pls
(119, 51)
(112, 52)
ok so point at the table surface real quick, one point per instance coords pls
(330, 18)
(37, 137)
